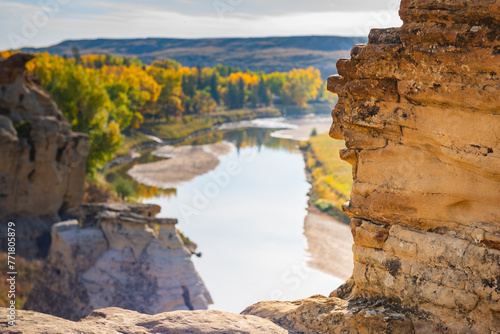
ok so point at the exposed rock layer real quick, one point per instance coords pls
(118, 255)
(118, 321)
(42, 165)
(419, 111)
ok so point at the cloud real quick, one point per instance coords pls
(266, 7)
(151, 18)
(281, 7)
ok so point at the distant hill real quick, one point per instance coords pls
(259, 54)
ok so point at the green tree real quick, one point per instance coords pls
(120, 110)
(76, 55)
(232, 96)
(241, 93)
(199, 77)
(189, 85)
(214, 87)
(262, 92)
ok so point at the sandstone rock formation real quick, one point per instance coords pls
(42, 169)
(117, 255)
(118, 321)
(419, 111)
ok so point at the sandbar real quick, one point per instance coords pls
(181, 164)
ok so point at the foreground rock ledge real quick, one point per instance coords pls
(119, 321)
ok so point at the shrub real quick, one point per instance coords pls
(124, 188)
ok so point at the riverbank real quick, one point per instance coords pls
(184, 163)
(249, 212)
(329, 242)
(182, 128)
(140, 147)
(179, 164)
(330, 176)
(304, 128)
(326, 227)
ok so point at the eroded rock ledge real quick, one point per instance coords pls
(419, 111)
(119, 321)
(117, 255)
(42, 169)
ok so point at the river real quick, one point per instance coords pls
(247, 218)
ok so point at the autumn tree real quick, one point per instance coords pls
(104, 95)
(301, 86)
(141, 89)
(84, 101)
(170, 80)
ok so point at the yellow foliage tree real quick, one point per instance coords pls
(82, 97)
(301, 85)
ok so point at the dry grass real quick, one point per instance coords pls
(27, 272)
(332, 177)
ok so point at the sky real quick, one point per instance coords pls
(41, 23)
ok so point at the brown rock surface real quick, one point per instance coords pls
(118, 321)
(117, 255)
(42, 165)
(419, 111)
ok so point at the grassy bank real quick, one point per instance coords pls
(331, 177)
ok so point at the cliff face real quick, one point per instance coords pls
(118, 255)
(419, 111)
(42, 170)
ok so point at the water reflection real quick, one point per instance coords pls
(241, 138)
(246, 137)
(259, 138)
(250, 230)
(143, 192)
(249, 226)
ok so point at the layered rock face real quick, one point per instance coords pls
(42, 170)
(419, 111)
(117, 255)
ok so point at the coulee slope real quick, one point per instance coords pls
(260, 54)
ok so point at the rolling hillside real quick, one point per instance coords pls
(259, 54)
